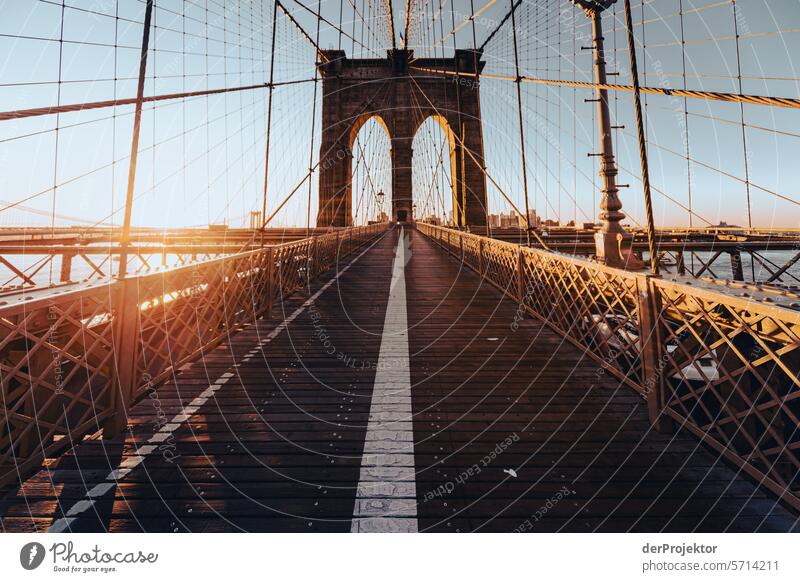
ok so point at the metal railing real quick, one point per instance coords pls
(760, 256)
(74, 359)
(32, 257)
(722, 363)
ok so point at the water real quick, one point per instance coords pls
(753, 270)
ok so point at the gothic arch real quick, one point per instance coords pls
(359, 89)
(357, 125)
(361, 120)
(446, 127)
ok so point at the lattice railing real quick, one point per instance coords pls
(56, 371)
(71, 363)
(32, 267)
(724, 366)
(731, 373)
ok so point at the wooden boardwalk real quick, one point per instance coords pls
(513, 429)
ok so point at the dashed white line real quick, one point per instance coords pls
(386, 499)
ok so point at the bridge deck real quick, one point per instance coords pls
(510, 430)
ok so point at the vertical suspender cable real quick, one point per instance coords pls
(686, 144)
(137, 125)
(575, 118)
(461, 182)
(313, 125)
(741, 112)
(391, 25)
(58, 121)
(341, 12)
(474, 34)
(269, 120)
(637, 106)
(521, 125)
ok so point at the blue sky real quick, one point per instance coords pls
(202, 159)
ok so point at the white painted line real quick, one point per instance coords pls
(63, 524)
(386, 498)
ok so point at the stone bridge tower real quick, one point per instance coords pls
(401, 93)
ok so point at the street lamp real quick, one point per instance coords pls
(612, 243)
(380, 196)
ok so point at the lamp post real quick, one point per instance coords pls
(612, 243)
(380, 195)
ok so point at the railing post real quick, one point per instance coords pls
(521, 277)
(480, 258)
(736, 265)
(652, 351)
(66, 267)
(126, 322)
(680, 265)
(270, 291)
(312, 259)
(461, 247)
(317, 261)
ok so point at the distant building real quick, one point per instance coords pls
(433, 219)
(508, 220)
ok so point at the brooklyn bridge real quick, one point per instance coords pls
(450, 266)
